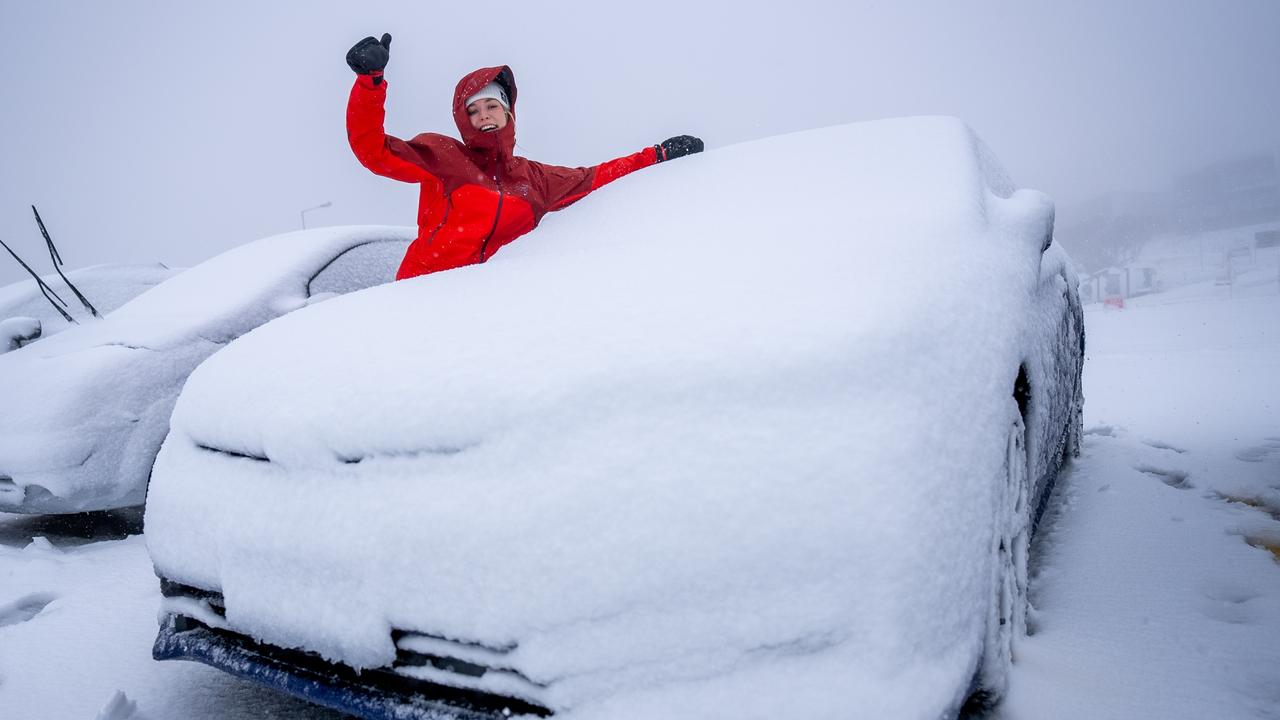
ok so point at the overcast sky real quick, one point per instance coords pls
(161, 131)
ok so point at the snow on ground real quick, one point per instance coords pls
(1151, 601)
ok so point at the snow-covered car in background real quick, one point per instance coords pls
(26, 315)
(85, 411)
(760, 434)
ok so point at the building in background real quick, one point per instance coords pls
(1218, 223)
(1118, 283)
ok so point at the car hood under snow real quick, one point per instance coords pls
(719, 441)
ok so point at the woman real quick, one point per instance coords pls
(476, 194)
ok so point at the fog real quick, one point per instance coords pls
(150, 131)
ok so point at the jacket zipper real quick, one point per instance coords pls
(496, 215)
(448, 205)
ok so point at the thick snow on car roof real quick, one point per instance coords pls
(721, 441)
(86, 409)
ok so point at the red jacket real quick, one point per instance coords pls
(476, 194)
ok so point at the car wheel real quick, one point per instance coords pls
(1007, 618)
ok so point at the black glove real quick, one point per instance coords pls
(370, 56)
(678, 146)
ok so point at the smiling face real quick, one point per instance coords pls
(487, 115)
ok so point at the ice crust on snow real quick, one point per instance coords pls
(751, 440)
(86, 410)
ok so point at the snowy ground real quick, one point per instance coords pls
(1157, 591)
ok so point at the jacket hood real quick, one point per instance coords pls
(500, 142)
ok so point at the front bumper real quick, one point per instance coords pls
(377, 694)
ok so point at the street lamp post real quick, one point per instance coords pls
(303, 214)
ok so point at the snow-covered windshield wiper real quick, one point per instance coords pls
(44, 289)
(57, 265)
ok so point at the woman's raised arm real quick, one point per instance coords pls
(366, 112)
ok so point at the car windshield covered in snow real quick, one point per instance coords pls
(27, 315)
(87, 409)
(763, 450)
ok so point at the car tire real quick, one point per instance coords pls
(1075, 432)
(1007, 617)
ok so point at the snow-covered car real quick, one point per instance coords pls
(85, 410)
(763, 434)
(26, 315)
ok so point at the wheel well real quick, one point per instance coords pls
(1022, 392)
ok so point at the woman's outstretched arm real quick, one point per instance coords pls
(569, 185)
